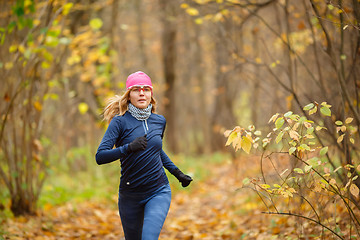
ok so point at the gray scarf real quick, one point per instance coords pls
(138, 113)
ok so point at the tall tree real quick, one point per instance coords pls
(168, 43)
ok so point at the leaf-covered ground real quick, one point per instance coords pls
(216, 208)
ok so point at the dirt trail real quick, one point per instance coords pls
(213, 209)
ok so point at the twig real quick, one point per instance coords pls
(307, 218)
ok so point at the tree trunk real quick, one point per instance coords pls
(169, 61)
(223, 114)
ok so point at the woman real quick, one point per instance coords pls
(137, 133)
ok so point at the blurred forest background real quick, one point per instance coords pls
(214, 64)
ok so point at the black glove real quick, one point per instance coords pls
(184, 179)
(138, 144)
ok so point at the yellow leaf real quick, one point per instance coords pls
(348, 120)
(237, 143)
(273, 118)
(13, 48)
(21, 48)
(36, 22)
(312, 111)
(83, 108)
(199, 21)
(218, 17)
(45, 64)
(73, 59)
(343, 128)
(227, 133)
(231, 138)
(332, 182)
(341, 138)
(294, 135)
(67, 8)
(85, 77)
(354, 190)
(202, 1)
(192, 11)
(96, 23)
(9, 65)
(246, 144)
(38, 106)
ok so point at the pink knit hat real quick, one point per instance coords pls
(138, 79)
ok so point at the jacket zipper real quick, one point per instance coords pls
(146, 128)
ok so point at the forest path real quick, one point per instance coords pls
(210, 209)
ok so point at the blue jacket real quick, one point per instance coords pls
(141, 171)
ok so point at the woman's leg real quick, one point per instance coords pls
(132, 217)
(156, 210)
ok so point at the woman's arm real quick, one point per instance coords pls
(168, 164)
(174, 170)
(106, 152)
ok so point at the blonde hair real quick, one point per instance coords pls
(118, 105)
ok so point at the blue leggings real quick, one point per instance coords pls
(142, 216)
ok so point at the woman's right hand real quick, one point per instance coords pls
(138, 144)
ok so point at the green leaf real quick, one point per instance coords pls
(246, 181)
(305, 147)
(313, 161)
(310, 130)
(288, 114)
(307, 168)
(11, 26)
(325, 111)
(292, 150)
(279, 122)
(257, 133)
(309, 106)
(19, 9)
(51, 41)
(279, 137)
(323, 151)
(302, 120)
(64, 41)
(339, 123)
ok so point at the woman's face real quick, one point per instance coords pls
(140, 96)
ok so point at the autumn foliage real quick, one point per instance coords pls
(311, 182)
(215, 64)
